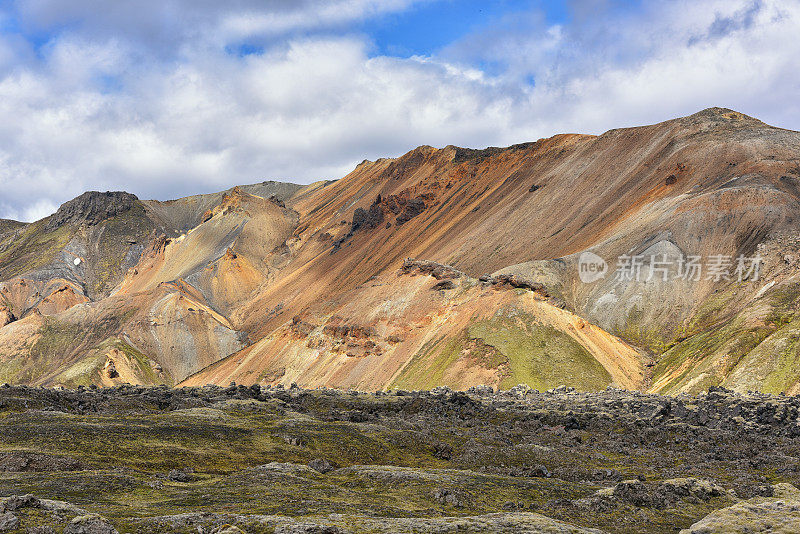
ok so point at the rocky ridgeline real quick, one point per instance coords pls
(92, 207)
(445, 274)
(439, 271)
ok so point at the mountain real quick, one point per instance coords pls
(445, 266)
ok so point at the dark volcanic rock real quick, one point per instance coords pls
(111, 369)
(666, 460)
(443, 285)
(477, 155)
(92, 207)
(665, 493)
(89, 524)
(367, 219)
(16, 502)
(306, 528)
(442, 451)
(538, 471)
(181, 475)
(24, 461)
(436, 270)
(404, 207)
(321, 465)
(413, 208)
(8, 521)
(517, 282)
(276, 200)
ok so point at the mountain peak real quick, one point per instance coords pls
(717, 114)
(92, 207)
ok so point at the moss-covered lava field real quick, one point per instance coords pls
(258, 459)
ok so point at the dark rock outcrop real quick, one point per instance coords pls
(110, 369)
(667, 493)
(322, 465)
(367, 219)
(513, 281)
(402, 206)
(443, 285)
(92, 208)
(277, 200)
(477, 155)
(89, 524)
(181, 475)
(25, 462)
(439, 271)
(405, 208)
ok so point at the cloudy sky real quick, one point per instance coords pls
(166, 98)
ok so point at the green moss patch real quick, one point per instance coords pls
(522, 351)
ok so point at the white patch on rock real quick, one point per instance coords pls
(764, 290)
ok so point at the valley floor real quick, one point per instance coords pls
(257, 459)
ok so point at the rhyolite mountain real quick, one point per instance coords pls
(447, 266)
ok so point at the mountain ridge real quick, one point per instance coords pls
(279, 283)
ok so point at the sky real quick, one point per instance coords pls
(167, 98)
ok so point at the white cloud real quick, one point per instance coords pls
(32, 212)
(167, 24)
(305, 15)
(98, 108)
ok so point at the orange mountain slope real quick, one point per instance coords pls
(276, 283)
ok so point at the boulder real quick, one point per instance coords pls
(89, 524)
(443, 285)
(321, 465)
(664, 494)
(181, 475)
(8, 521)
(24, 461)
(446, 496)
(537, 471)
(779, 515)
(15, 502)
(306, 528)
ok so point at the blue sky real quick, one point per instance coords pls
(426, 29)
(166, 98)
